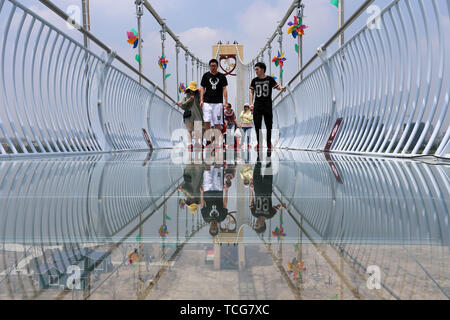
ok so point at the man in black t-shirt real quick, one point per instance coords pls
(212, 94)
(261, 198)
(261, 90)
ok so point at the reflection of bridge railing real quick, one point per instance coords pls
(378, 202)
(388, 83)
(61, 208)
(371, 212)
(59, 97)
(83, 200)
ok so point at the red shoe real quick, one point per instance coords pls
(191, 147)
(257, 148)
(249, 147)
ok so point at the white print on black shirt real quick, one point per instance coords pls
(262, 204)
(214, 84)
(262, 89)
(214, 212)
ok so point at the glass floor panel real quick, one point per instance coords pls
(229, 226)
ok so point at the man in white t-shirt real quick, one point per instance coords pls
(213, 92)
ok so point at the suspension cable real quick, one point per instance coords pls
(50, 5)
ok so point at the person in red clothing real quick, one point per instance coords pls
(230, 121)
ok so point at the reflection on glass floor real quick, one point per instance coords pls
(169, 225)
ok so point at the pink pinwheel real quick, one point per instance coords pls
(133, 38)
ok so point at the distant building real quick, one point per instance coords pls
(56, 275)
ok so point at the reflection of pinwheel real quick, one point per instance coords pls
(132, 257)
(279, 233)
(162, 62)
(296, 27)
(182, 88)
(133, 38)
(296, 267)
(182, 203)
(279, 60)
(163, 232)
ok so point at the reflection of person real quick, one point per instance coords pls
(247, 175)
(213, 199)
(261, 199)
(193, 178)
(230, 173)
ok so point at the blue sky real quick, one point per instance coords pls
(200, 24)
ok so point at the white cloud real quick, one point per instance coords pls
(257, 23)
(201, 39)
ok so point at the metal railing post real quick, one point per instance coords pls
(177, 51)
(103, 134)
(163, 39)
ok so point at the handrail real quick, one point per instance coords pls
(76, 103)
(357, 13)
(64, 16)
(280, 25)
(386, 97)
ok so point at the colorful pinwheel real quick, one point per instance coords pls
(162, 62)
(279, 233)
(279, 60)
(133, 38)
(296, 268)
(163, 232)
(273, 76)
(296, 27)
(182, 88)
(182, 203)
(132, 257)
